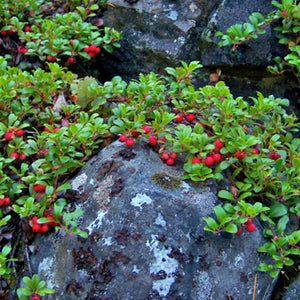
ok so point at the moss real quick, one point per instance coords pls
(166, 181)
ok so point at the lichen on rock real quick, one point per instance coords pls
(166, 181)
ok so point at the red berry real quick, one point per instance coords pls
(173, 155)
(9, 136)
(239, 231)
(15, 155)
(86, 49)
(249, 221)
(162, 141)
(6, 201)
(209, 161)
(24, 50)
(190, 118)
(1, 201)
(196, 160)
(165, 156)
(250, 227)
(71, 60)
(39, 188)
(152, 140)
(91, 54)
(93, 48)
(56, 129)
(46, 151)
(34, 219)
(45, 228)
(239, 155)
(123, 138)
(20, 132)
(27, 28)
(147, 129)
(22, 156)
(135, 133)
(254, 151)
(130, 143)
(170, 162)
(179, 118)
(37, 228)
(50, 223)
(35, 297)
(219, 144)
(216, 157)
(98, 50)
(4, 32)
(47, 129)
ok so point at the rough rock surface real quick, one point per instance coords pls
(293, 290)
(146, 237)
(159, 33)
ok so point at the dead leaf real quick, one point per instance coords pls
(60, 101)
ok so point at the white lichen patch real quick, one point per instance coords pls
(78, 182)
(140, 199)
(160, 220)
(108, 241)
(173, 15)
(97, 222)
(46, 269)
(135, 270)
(238, 261)
(203, 287)
(162, 262)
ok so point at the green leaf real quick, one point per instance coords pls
(281, 225)
(211, 223)
(277, 210)
(231, 228)
(226, 195)
(220, 213)
(28, 282)
(65, 186)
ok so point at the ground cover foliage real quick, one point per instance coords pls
(53, 120)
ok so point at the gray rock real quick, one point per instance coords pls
(146, 237)
(160, 33)
(293, 292)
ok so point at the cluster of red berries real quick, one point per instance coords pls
(4, 201)
(39, 188)
(169, 158)
(189, 117)
(22, 49)
(42, 228)
(274, 155)
(49, 130)
(213, 157)
(92, 50)
(21, 156)
(51, 58)
(240, 154)
(12, 132)
(129, 139)
(7, 32)
(250, 227)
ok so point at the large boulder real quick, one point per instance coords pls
(159, 33)
(146, 237)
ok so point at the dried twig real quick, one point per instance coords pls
(254, 287)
